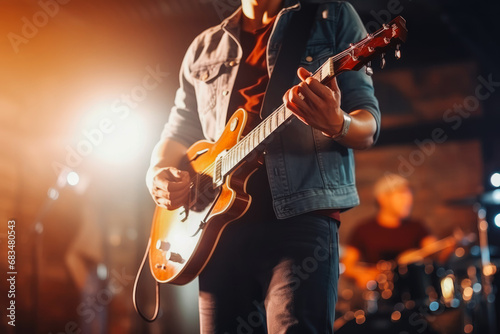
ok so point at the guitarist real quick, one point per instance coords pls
(277, 266)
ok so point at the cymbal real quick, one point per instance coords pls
(423, 253)
(418, 255)
(487, 198)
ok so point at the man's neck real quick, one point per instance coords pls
(388, 220)
(258, 13)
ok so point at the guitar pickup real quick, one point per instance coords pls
(218, 178)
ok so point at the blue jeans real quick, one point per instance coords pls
(272, 276)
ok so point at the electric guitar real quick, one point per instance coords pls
(183, 240)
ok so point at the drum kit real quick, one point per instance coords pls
(420, 293)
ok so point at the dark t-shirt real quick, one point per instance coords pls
(377, 243)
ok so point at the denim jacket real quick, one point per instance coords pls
(307, 171)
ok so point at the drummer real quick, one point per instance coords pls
(387, 235)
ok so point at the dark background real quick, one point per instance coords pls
(62, 72)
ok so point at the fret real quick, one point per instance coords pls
(242, 151)
(224, 166)
(262, 134)
(287, 113)
(272, 120)
(243, 144)
(325, 70)
(319, 74)
(280, 116)
(237, 156)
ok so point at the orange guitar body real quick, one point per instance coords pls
(183, 240)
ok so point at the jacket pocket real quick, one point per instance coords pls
(315, 56)
(206, 81)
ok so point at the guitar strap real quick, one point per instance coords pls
(288, 60)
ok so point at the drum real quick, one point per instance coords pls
(418, 282)
(401, 322)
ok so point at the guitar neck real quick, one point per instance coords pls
(268, 126)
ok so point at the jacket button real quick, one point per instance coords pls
(309, 58)
(204, 76)
(232, 63)
(225, 93)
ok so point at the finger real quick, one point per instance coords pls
(177, 186)
(298, 113)
(171, 176)
(175, 174)
(298, 98)
(294, 109)
(310, 97)
(171, 201)
(294, 102)
(303, 74)
(171, 195)
(307, 77)
(167, 204)
(320, 90)
(180, 175)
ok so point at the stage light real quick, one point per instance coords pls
(495, 179)
(125, 143)
(102, 271)
(495, 195)
(53, 194)
(497, 220)
(434, 306)
(73, 178)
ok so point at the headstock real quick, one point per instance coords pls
(360, 54)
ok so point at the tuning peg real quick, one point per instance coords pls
(369, 69)
(382, 60)
(397, 53)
